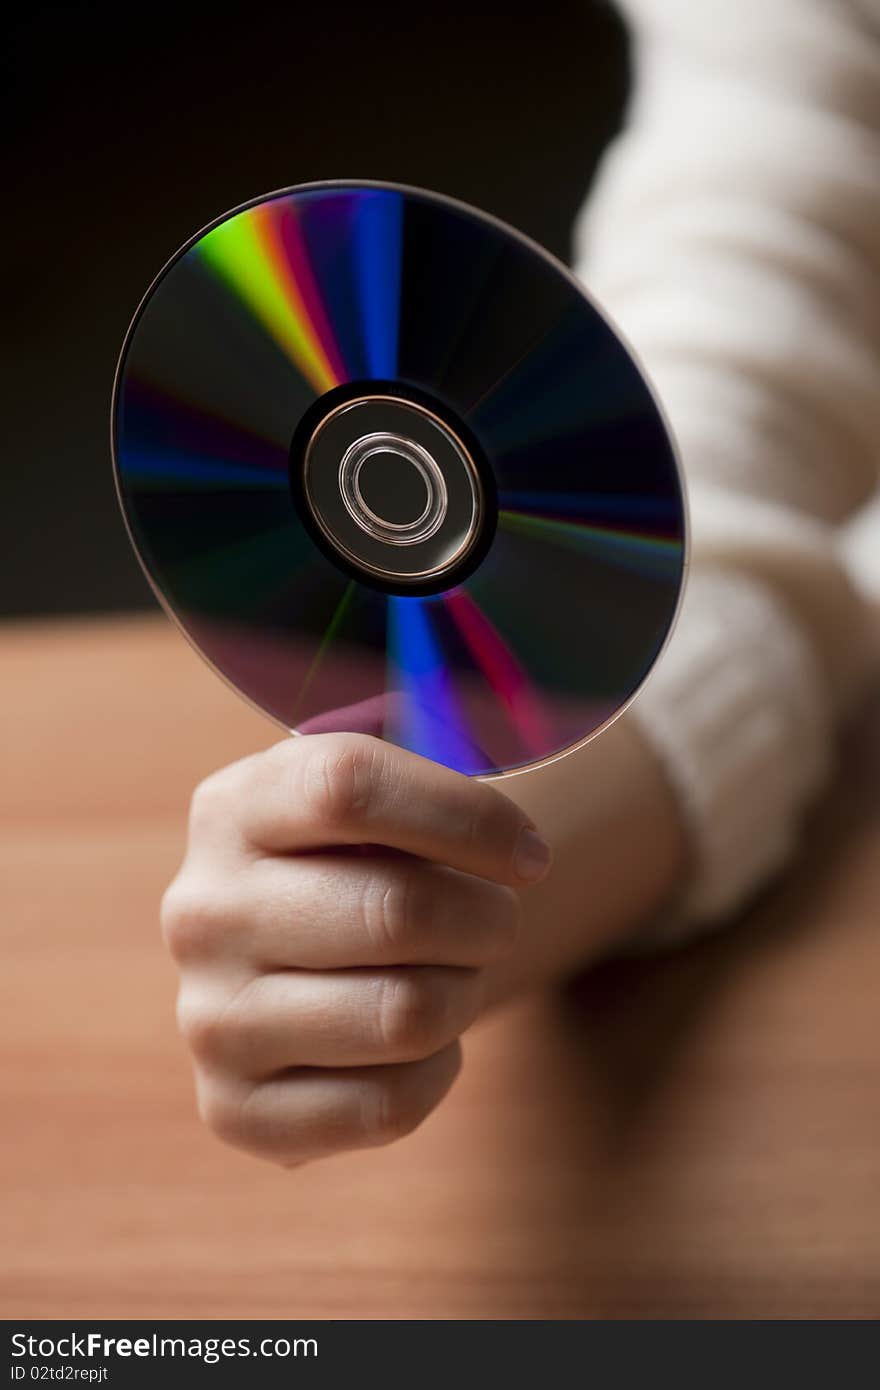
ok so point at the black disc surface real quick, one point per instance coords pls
(296, 328)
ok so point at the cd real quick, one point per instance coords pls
(390, 469)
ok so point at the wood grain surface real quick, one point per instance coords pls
(697, 1136)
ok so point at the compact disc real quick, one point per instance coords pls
(392, 470)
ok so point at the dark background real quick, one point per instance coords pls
(133, 127)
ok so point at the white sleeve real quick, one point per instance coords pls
(734, 235)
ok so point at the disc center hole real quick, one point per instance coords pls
(393, 488)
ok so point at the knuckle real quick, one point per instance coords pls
(338, 780)
(223, 1111)
(214, 1032)
(206, 802)
(199, 1026)
(190, 919)
(391, 910)
(280, 762)
(413, 1013)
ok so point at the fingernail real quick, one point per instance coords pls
(532, 858)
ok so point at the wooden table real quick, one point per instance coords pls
(697, 1136)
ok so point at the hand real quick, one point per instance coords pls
(334, 919)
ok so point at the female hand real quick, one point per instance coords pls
(339, 905)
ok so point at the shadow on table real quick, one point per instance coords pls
(632, 1019)
(680, 1122)
(665, 1104)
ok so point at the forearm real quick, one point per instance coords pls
(732, 234)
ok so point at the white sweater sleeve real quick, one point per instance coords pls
(734, 235)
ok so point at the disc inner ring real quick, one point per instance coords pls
(416, 519)
(433, 514)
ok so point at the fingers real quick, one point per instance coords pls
(343, 1018)
(320, 912)
(304, 1115)
(349, 789)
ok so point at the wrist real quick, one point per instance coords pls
(619, 851)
